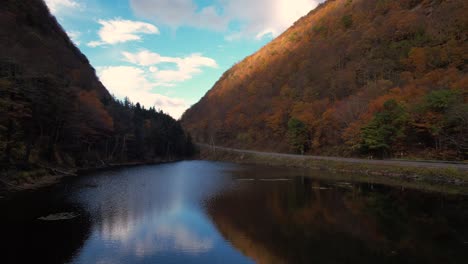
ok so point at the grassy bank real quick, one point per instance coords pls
(447, 180)
(13, 180)
(38, 176)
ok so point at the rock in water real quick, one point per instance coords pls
(59, 216)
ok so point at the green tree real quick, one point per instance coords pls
(445, 118)
(347, 21)
(456, 132)
(297, 135)
(441, 100)
(384, 129)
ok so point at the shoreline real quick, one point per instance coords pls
(446, 179)
(56, 175)
(451, 178)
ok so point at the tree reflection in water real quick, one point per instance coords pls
(207, 212)
(306, 220)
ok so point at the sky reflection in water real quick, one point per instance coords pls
(207, 212)
(154, 214)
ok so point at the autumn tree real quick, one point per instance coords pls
(354, 55)
(442, 115)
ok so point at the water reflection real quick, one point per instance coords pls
(155, 214)
(308, 221)
(205, 212)
(26, 239)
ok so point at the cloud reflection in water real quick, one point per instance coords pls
(152, 215)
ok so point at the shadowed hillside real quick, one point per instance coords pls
(353, 77)
(56, 113)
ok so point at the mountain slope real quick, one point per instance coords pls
(54, 110)
(352, 77)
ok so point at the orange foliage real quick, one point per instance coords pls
(335, 78)
(94, 112)
(417, 60)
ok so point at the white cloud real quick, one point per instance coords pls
(146, 58)
(266, 32)
(74, 36)
(119, 30)
(94, 43)
(135, 83)
(56, 5)
(257, 18)
(187, 67)
(176, 13)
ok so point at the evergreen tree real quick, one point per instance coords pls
(385, 129)
(297, 135)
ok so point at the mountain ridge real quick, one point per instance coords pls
(56, 115)
(330, 75)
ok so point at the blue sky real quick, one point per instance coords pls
(169, 53)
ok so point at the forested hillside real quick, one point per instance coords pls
(354, 77)
(56, 113)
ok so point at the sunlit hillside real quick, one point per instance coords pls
(353, 77)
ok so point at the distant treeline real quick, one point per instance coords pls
(54, 111)
(45, 121)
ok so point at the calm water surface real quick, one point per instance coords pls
(206, 212)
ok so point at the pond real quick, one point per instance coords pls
(210, 212)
